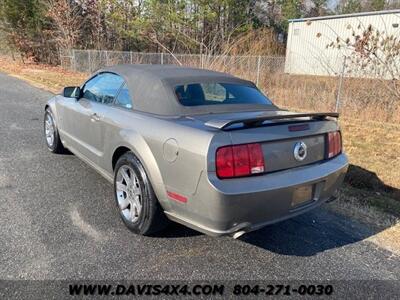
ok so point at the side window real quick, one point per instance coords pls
(124, 99)
(103, 88)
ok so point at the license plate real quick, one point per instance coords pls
(302, 195)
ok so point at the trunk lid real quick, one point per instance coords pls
(279, 133)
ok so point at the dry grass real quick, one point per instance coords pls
(43, 76)
(260, 41)
(357, 204)
(364, 99)
(374, 146)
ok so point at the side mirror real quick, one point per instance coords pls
(72, 92)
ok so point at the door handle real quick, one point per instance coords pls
(95, 117)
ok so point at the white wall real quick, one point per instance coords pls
(307, 54)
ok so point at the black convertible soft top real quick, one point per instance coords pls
(152, 88)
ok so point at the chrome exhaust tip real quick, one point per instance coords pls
(238, 234)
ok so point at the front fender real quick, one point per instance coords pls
(51, 103)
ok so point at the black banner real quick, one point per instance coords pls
(60, 289)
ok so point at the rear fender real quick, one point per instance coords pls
(137, 144)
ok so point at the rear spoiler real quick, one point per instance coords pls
(224, 123)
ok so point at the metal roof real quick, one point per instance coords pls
(362, 14)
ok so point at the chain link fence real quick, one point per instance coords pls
(250, 67)
(342, 92)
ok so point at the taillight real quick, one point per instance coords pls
(239, 160)
(334, 143)
(256, 157)
(224, 162)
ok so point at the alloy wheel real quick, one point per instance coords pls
(49, 129)
(129, 193)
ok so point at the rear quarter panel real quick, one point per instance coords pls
(173, 155)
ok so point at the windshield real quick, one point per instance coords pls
(196, 94)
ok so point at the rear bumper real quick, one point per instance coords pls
(223, 207)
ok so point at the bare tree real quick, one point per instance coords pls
(67, 22)
(371, 53)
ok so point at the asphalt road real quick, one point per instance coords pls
(58, 221)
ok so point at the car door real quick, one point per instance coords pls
(74, 116)
(83, 118)
(114, 119)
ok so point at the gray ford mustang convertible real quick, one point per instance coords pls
(202, 148)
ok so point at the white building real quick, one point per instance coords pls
(307, 51)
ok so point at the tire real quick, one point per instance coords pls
(144, 218)
(54, 144)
